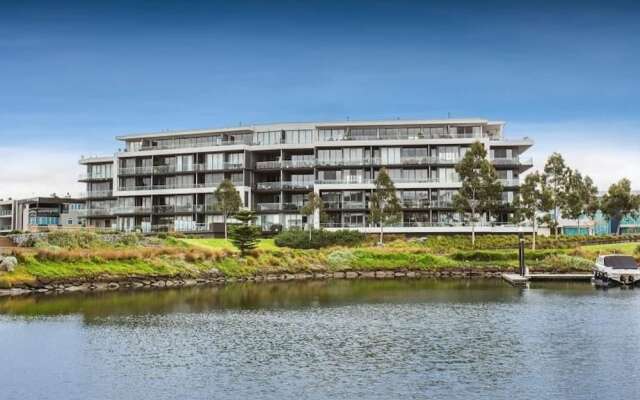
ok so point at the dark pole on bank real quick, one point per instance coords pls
(523, 271)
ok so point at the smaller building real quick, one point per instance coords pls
(37, 213)
(6, 215)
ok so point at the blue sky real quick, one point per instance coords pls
(75, 74)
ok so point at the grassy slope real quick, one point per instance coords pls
(193, 257)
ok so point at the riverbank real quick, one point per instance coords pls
(89, 264)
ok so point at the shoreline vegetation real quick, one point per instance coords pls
(86, 261)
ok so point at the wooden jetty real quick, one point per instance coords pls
(519, 280)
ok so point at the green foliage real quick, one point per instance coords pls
(636, 252)
(481, 191)
(619, 201)
(245, 235)
(385, 205)
(228, 201)
(296, 238)
(73, 240)
(340, 258)
(489, 255)
(566, 262)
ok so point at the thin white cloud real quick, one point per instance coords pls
(28, 171)
(607, 152)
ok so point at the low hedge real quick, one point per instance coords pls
(299, 239)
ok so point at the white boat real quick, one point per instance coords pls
(616, 269)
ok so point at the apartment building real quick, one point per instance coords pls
(166, 181)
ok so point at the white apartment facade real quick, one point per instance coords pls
(166, 181)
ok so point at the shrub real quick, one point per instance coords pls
(565, 262)
(636, 252)
(299, 239)
(340, 258)
(129, 239)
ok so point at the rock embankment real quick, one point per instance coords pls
(215, 278)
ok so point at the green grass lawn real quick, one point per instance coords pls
(264, 244)
(624, 248)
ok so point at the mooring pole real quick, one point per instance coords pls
(523, 269)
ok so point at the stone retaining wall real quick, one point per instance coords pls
(165, 282)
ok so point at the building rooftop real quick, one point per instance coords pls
(311, 125)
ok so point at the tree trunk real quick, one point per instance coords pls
(578, 226)
(555, 218)
(310, 229)
(473, 228)
(381, 234)
(225, 227)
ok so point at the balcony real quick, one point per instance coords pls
(177, 209)
(268, 165)
(512, 161)
(85, 176)
(135, 171)
(96, 194)
(341, 163)
(174, 186)
(284, 185)
(5, 213)
(96, 212)
(352, 180)
(278, 206)
(211, 143)
(346, 205)
(133, 210)
(298, 163)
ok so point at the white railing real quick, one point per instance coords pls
(5, 213)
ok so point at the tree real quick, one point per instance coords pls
(581, 197)
(534, 197)
(245, 235)
(314, 203)
(557, 175)
(385, 205)
(619, 201)
(228, 201)
(481, 191)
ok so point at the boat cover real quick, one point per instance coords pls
(620, 262)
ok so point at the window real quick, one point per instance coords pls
(215, 161)
(329, 135)
(269, 137)
(448, 175)
(303, 136)
(390, 155)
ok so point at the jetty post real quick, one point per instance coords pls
(523, 267)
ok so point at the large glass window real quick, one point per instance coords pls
(448, 175)
(329, 135)
(390, 155)
(215, 161)
(302, 136)
(269, 137)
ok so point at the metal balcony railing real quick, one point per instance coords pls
(512, 161)
(96, 194)
(4, 213)
(85, 176)
(298, 163)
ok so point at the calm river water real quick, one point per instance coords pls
(447, 339)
